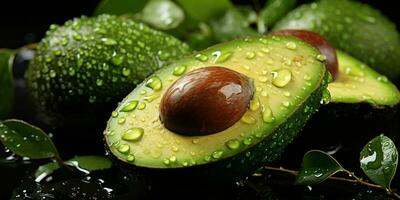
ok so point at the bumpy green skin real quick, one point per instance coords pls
(89, 64)
(353, 27)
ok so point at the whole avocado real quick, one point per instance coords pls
(353, 27)
(88, 64)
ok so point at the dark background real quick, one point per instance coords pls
(23, 21)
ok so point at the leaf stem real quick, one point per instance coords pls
(351, 174)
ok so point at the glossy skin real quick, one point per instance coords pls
(319, 42)
(206, 101)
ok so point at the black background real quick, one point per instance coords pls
(24, 21)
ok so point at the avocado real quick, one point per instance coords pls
(358, 83)
(356, 28)
(283, 77)
(88, 64)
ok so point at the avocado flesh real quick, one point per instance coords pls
(358, 83)
(356, 28)
(259, 58)
(89, 64)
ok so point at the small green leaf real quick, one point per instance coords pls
(89, 163)
(203, 10)
(232, 24)
(316, 167)
(6, 82)
(26, 140)
(378, 160)
(162, 14)
(118, 7)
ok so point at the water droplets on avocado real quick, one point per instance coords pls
(141, 106)
(133, 134)
(124, 148)
(321, 57)
(254, 104)
(247, 141)
(250, 55)
(248, 119)
(77, 36)
(121, 120)
(267, 114)
(291, 45)
(286, 104)
(131, 105)
(109, 41)
(154, 83)
(126, 71)
(130, 158)
(281, 77)
(99, 82)
(151, 97)
(179, 70)
(118, 59)
(114, 114)
(382, 79)
(217, 154)
(263, 79)
(52, 73)
(221, 57)
(201, 57)
(233, 144)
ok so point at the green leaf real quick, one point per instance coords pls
(89, 163)
(118, 7)
(203, 10)
(162, 14)
(232, 24)
(26, 140)
(273, 11)
(316, 167)
(6, 82)
(378, 160)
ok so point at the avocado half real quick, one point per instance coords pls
(289, 80)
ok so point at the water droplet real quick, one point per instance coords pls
(255, 104)
(264, 93)
(57, 52)
(267, 115)
(109, 41)
(52, 73)
(286, 104)
(221, 57)
(122, 120)
(321, 57)
(151, 97)
(166, 162)
(154, 83)
(143, 92)
(248, 119)
(130, 158)
(141, 106)
(247, 141)
(382, 79)
(291, 45)
(217, 154)
(201, 57)
(118, 59)
(250, 55)
(124, 148)
(133, 134)
(126, 71)
(114, 114)
(233, 144)
(179, 70)
(174, 149)
(130, 106)
(281, 77)
(99, 82)
(263, 79)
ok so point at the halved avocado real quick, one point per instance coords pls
(288, 80)
(358, 83)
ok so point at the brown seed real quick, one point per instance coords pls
(206, 101)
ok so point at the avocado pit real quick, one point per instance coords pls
(206, 101)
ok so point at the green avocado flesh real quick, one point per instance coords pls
(357, 83)
(353, 27)
(96, 61)
(289, 80)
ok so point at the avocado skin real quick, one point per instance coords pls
(83, 68)
(353, 27)
(243, 164)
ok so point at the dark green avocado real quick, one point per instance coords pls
(288, 78)
(88, 64)
(353, 27)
